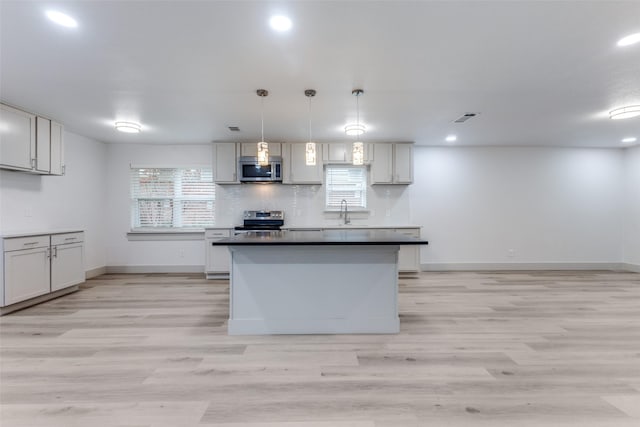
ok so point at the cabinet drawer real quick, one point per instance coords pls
(217, 234)
(61, 239)
(21, 243)
(413, 232)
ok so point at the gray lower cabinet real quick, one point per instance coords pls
(36, 266)
(217, 258)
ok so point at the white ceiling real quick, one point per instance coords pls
(539, 72)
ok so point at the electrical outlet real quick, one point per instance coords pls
(181, 253)
(511, 253)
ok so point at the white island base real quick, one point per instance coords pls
(308, 289)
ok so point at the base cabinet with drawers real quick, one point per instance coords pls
(38, 266)
(409, 255)
(217, 258)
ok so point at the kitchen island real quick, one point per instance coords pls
(314, 282)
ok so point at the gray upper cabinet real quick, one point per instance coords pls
(57, 149)
(225, 163)
(296, 169)
(17, 139)
(43, 145)
(250, 149)
(30, 143)
(392, 163)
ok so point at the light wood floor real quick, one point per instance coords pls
(475, 349)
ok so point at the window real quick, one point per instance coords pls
(172, 198)
(348, 183)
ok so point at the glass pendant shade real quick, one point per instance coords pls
(263, 153)
(310, 154)
(358, 153)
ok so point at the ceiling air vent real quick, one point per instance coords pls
(465, 117)
(234, 128)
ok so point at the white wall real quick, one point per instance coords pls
(164, 254)
(551, 205)
(303, 206)
(632, 208)
(545, 205)
(73, 201)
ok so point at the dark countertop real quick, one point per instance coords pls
(318, 238)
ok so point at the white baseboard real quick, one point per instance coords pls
(515, 266)
(137, 269)
(95, 272)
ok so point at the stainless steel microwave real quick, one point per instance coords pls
(251, 171)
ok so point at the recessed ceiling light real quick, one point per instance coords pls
(625, 112)
(629, 40)
(280, 23)
(62, 19)
(128, 127)
(629, 140)
(451, 138)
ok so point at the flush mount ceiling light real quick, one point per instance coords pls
(451, 138)
(625, 112)
(263, 147)
(128, 127)
(629, 40)
(358, 146)
(61, 19)
(280, 23)
(354, 129)
(310, 149)
(629, 140)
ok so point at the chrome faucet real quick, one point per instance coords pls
(346, 212)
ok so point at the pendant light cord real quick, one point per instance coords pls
(358, 111)
(262, 118)
(309, 119)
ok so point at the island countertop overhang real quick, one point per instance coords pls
(360, 237)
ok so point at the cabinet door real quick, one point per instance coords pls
(403, 163)
(57, 149)
(17, 138)
(43, 145)
(299, 172)
(382, 164)
(337, 152)
(225, 163)
(409, 256)
(217, 258)
(67, 266)
(27, 274)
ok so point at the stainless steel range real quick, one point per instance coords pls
(261, 221)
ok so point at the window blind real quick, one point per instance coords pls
(346, 183)
(172, 198)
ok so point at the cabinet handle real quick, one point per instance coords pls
(64, 169)
(70, 238)
(30, 243)
(33, 163)
(55, 252)
(48, 253)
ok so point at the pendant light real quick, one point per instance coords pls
(263, 147)
(358, 147)
(310, 149)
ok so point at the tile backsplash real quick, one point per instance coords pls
(303, 205)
